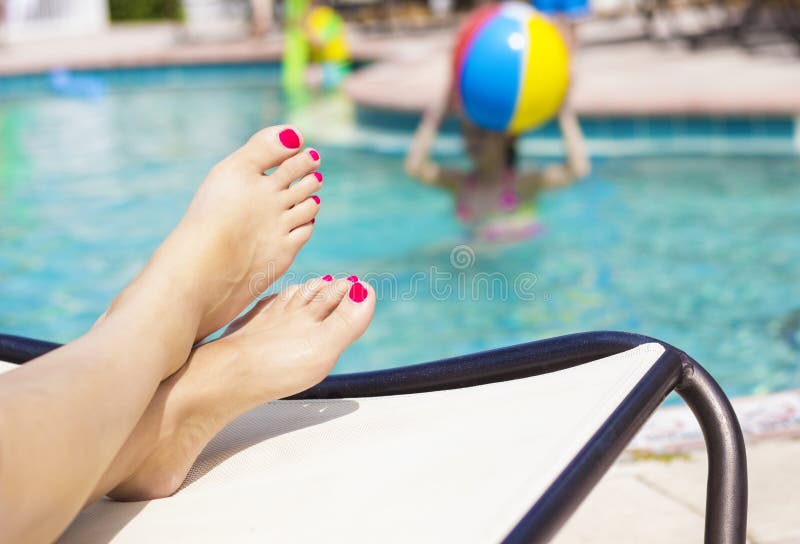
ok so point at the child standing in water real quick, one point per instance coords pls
(495, 199)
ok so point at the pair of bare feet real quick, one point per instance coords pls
(240, 234)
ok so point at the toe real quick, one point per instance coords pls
(329, 298)
(351, 317)
(302, 213)
(295, 168)
(308, 292)
(300, 235)
(304, 188)
(243, 320)
(285, 297)
(270, 147)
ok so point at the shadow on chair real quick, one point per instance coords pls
(108, 517)
(264, 423)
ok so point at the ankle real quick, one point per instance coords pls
(168, 292)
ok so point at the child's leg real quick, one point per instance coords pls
(282, 347)
(64, 416)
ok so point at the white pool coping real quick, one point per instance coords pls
(675, 429)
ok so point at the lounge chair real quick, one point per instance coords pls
(497, 446)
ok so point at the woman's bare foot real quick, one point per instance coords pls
(241, 232)
(285, 345)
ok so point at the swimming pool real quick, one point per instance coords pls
(701, 251)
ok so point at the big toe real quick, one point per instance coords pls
(269, 147)
(350, 318)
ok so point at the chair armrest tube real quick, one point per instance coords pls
(507, 363)
(18, 349)
(546, 517)
(726, 495)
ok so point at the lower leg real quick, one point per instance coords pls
(65, 416)
(168, 424)
(256, 362)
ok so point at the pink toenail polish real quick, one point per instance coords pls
(313, 220)
(315, 198)
(358, 293)
(314, 154)
(289, 138)
(353, 278)
(318, 176)
(327, 277)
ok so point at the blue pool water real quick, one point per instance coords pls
(700, 251)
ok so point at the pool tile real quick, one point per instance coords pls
(776, 127)
(738, 127)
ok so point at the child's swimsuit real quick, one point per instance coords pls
(513, 220)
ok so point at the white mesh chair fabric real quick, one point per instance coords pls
(461, 465)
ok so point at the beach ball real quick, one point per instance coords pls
(511, 68)
(327, 33)
(324, 24)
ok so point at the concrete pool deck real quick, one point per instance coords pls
(661, 500)
(628, 79)
(134, 45)
(656, 492)
(639, 78)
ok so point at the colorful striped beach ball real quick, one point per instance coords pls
(511, 68)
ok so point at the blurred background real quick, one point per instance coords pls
(686, 228)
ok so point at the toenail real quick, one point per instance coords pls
(358, 293)
(315, 198)
(327, 277)
(314, 154)
(289, 138)
(318, 176)
(313, 220)
(353, 278)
